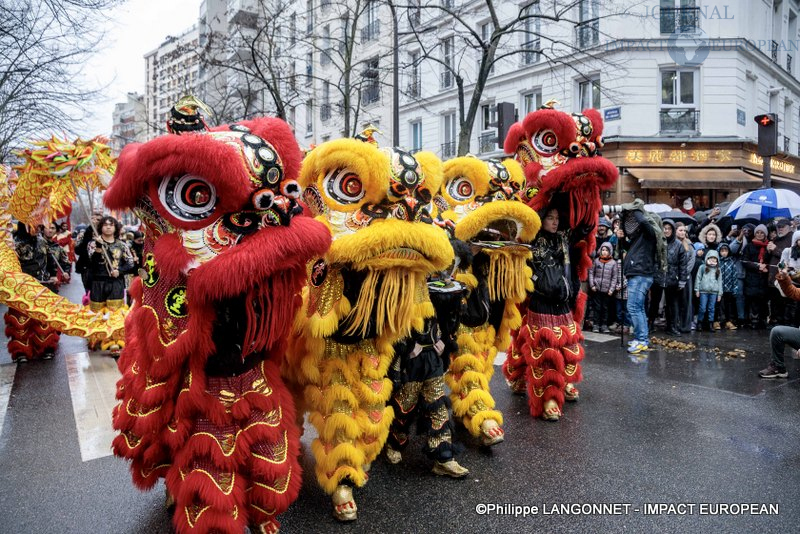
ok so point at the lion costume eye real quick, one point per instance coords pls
(460, 189)
(546, 142)
(188, 198)
(344, 186)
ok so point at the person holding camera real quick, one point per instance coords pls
(780, 336)
(638, 268)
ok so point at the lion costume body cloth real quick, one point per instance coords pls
(367, 292)
(201, 400)
(559, 153)
(482, 199)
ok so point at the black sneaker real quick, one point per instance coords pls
(773, 371)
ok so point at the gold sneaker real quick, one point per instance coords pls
(394, 457)
(344, 506)
(450, 468)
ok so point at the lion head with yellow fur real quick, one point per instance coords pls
(377, 205)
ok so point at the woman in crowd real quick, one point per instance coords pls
(755, 278)
(64, 240)
(670, 282)
(685, 311)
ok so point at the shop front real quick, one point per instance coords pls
(709, 172)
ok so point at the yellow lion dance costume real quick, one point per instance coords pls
(366, 293)
(482, 199)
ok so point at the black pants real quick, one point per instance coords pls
(777, 306)
(656, 291)
(728, 310)
(756, 308)
(605, 305)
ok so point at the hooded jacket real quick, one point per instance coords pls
(709, 279)
(677, 266)
(603, 274)
(731, 269)
(641, 258)
(704, 232)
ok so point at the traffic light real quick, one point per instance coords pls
(767, 134)
(506, 116)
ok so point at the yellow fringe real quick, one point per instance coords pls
(506, 278)
(395, 301)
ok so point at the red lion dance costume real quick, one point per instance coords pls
(202, 403)
(563, 171)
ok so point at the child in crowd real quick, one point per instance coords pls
(708, 289)
(730, 268)
(603, 283)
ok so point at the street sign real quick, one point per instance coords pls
(612, 114)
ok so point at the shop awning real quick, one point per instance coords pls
(706, 178)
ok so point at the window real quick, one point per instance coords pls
(413, 83)
(449, 135)
(531, 28)
(447, 58)
(325, 108)
(531, 102)
(325, 57)
(589, 94)
(679, 16)
(416, 136)
(309, 116)
(371, 91)
(293, 76)
(309, 17)
(679, 111)
(372, 26)
(488, 117)
(309, 68)
(414, 12)
(486, 36)
(588, 28)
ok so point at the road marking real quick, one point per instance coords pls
(92, 385)
(7, 373)
(599, 338)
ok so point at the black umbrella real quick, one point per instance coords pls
(677, 216)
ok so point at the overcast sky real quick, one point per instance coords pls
(135, 28)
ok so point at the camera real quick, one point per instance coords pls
(609, 209)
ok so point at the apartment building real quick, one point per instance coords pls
(129, 122)
(171, 71)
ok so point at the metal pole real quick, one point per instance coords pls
(767, 172)
(395, 78)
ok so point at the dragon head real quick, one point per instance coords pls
(377, 205)
(560, 153)
(222, 223)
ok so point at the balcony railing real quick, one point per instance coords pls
(324, 57)
(587, 33)
(413, 89)
(530, 52)
(325, 112)
(774, 51)
(370, 95)
(446, 79)
(487, 142)
(449, 149)
(371, 31)
(680, 19)
(678, 120)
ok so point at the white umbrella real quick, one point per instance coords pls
(657, 208)
(765, 204)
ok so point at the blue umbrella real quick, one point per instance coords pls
(765, 204)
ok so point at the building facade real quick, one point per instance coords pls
(171, 71)
(129, 122)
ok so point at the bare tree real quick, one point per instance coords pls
(251, 62)
(516, 34)
(43, 45)
(348, 40)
